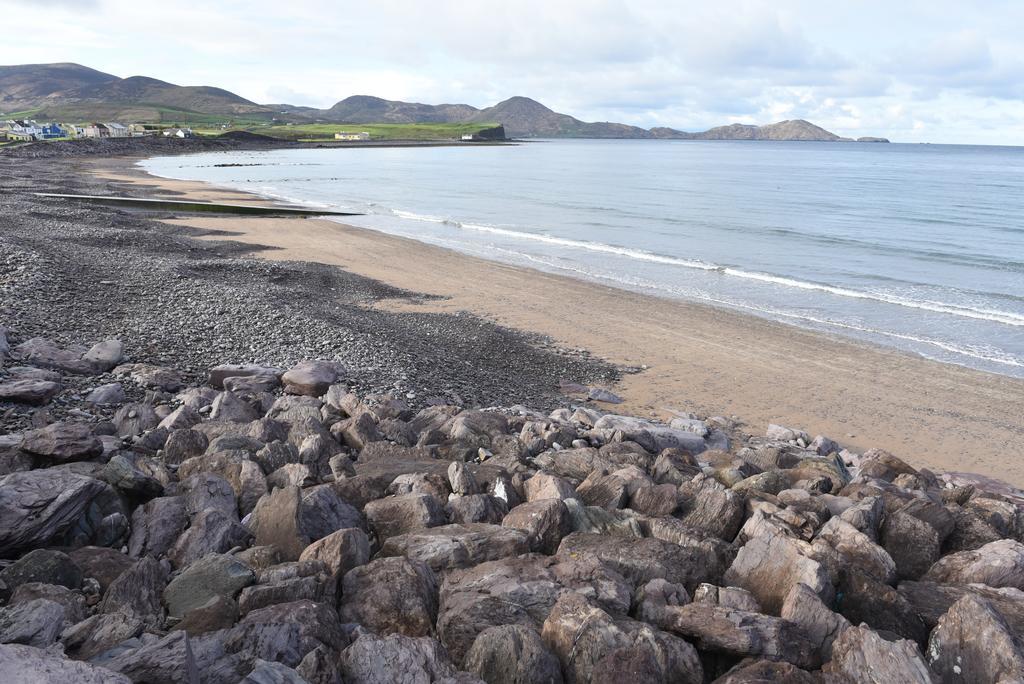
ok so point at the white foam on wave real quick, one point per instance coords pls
(993, 315)
(987, 354)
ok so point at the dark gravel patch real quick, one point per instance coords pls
(79, 274)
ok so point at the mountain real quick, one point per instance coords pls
(368, 109)
(75, 91)
(71, 92)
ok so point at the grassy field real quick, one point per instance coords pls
(320, 132)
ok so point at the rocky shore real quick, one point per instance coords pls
(271, 525)
(217, 469)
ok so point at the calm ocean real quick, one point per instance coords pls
(918, 247)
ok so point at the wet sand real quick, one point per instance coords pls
(692, 357)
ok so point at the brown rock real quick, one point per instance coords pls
(63, 442)
(512, 654)
(998, 564)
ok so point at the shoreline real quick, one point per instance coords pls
(697, 358)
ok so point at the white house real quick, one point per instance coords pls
(352, 136)
(179, 133)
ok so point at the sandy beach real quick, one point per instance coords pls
(690, 357)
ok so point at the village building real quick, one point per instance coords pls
(96, 130)
(179, 133)
(352, 136)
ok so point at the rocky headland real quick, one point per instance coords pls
(213, 471)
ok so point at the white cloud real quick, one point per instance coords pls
(945, 69)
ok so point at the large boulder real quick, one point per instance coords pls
(818, 623)
(864, 599)
(512, 654)
(395, 659)
(520, 591)
(852, 548)
(457, 546)
(739, 633)
(40, 506)
(340, 551)
(545, 521)
(311, 378)
(706, 505)
(593, 646)
(137, 593)
(42, 565)
(863, 655)
(38, 622)
(641, 560)
(997, 564)
(931, 601)
(63, 442)
(285, 632)
(291, 519)
(26, 391)
(214, 575)
(973, 643)
(654, 435)
(396, 515)
(28, 665)
(156, 525)
(914, 544)
(391, 595)
(770, 565)
(211, 531)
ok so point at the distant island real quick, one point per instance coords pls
(75, 93)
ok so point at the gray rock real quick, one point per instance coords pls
(214, 575)
(396, 515)
(101, 563)
(218, 374)
(395, 659)
(122, 472)
(40, 506)
(739, 633)
(973, 643)
(32, 392)
(545, 521)
(769, 566)
(38, 622)
(997, 564)
(43, 353)
(512, 654)
(641, 560)
(862, 655)
(219, 612)
(596, 520)
(457, 546)
(594, 646)
(548, 486)
(866, 600)
(211, 531)
(311, 378)
(156, 525)
(913, 544)
(41, 565)
(476, 508)
(203, 491)
(520, 591)
(182, 445)
(137, 593)
(134, 419)
(104, 356)
(227, 406)
(339, 551)
(726, 597)
(816, 620)
(63, 442)
(706, 505)
(73, 602)
(29, 665)
(391, 596)
(98, 634)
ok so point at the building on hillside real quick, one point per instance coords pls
(117, 130)
(137, 130)
(179, 133)
(352, 136)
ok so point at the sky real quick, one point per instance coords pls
(935, 71)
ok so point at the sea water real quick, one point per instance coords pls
(918, 247)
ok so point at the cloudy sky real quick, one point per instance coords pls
(936, 70)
